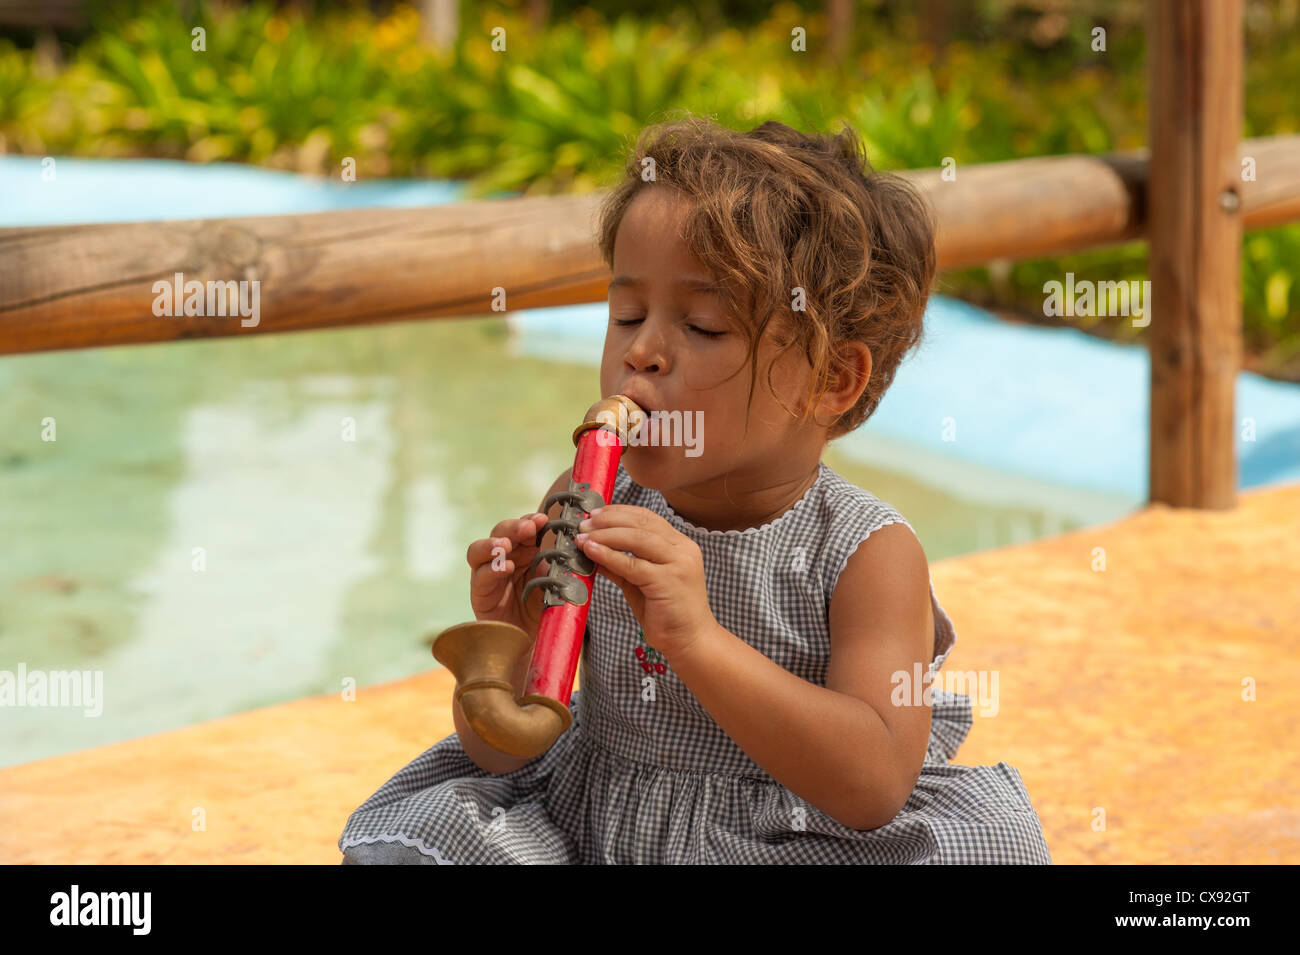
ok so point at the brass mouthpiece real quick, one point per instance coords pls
(617, 413)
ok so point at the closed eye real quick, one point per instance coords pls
(623, 323)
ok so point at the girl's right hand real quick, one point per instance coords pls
(497, 580)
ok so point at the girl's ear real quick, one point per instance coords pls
(862, 375)
(849, 379)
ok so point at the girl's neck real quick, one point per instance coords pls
(730, 502)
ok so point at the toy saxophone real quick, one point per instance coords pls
(483, 654)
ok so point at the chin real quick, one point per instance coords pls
(648, 470)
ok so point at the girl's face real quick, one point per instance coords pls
(670, 346)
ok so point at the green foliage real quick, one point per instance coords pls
(1268, 281)
(306, 87)
(560, 110)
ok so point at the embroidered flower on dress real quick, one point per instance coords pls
(651, 660)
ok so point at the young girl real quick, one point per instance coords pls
(748, 690)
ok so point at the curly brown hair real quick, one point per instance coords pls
(774, 210)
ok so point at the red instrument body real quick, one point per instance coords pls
(558, 647)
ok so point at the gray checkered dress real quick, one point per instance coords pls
(644, 775)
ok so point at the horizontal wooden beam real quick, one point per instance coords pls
(43, 13)
(87, 286)
(1033, 208)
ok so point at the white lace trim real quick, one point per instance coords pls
(823, 469)
(421, 847)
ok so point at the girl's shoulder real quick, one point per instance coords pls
(840, 518)
(853, 508)
(854, 514)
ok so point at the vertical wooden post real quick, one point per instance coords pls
(840, 16)
(539, 14)
(1196, 93)
(440, 22)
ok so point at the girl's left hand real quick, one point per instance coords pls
(662, 577)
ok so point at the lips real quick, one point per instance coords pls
(640, 400)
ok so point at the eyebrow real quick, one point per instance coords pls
(689, 282)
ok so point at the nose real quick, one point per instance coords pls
(646, 351)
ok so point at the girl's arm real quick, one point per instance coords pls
(844, 748)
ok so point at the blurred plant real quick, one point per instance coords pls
(914, 126)
(1268, 284)
(557, 112)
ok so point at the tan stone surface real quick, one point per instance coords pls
(1123, 689)
(1119, 689)
(276, 784)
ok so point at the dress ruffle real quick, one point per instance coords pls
(581, 804)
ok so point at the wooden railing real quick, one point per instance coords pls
(85, 286)
(43, 13)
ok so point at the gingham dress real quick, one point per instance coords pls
(644, 775)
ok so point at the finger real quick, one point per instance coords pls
(525, 546)
(484, 551)
(626, 514)
(530, 543)
(514, 536)
(525, 531)
(633, 518)
(508, 527)
(492, 571)
(631, 568)
(487, 584)
(642, 544)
